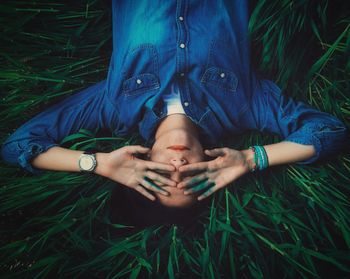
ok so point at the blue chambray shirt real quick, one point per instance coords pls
(204, 47)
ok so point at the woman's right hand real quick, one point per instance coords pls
(122, 166)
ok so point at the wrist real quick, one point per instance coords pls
(102, 167)
(249, 158)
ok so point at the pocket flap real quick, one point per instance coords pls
(220, 77)
(140, 82)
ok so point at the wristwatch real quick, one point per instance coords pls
(87, 161)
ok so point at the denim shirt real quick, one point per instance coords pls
(204, 47)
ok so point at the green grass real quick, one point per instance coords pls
(287, 222)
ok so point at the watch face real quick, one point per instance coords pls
(86, 163)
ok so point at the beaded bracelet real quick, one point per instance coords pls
(255, 160)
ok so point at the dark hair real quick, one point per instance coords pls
(131, 208)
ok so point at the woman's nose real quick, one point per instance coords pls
(178, 162)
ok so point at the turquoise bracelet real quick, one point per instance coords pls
(260, 157)
(266, 159)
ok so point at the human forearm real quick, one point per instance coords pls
(63, 159)
(282, 153)
(295, 121)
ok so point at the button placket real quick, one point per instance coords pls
(181, 54)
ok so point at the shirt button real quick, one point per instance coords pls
(181, 18)
(182, 74)
(182, 45)
(222, 75)
(186, 104)
(138, 81)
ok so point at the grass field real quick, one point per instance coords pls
(289, 221)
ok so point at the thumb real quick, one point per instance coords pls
(132, 149)
(215, 152)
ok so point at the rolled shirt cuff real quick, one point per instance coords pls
(328, 140)
(22, 154)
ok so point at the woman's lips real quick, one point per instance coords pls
(178, 147)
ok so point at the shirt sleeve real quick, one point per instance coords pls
(295, 121)
(88, 109)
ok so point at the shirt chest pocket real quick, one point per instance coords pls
(139, 84)
(219, 74)
(140, 71)
(221, 78)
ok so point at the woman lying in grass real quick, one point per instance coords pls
(179, 75)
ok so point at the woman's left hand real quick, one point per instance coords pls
(213, 175)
